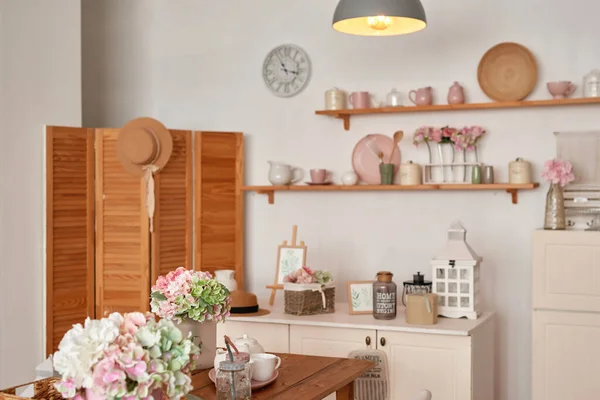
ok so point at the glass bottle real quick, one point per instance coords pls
(384, 296)
(233, 381)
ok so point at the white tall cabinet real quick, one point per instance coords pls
(566, 315)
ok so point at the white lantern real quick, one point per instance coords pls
(456, 276)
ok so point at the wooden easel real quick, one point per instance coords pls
(276, 285)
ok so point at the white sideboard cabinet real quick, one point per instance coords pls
(453, 359)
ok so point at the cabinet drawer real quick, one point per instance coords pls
(329, 342)
(566, 270)
(275, 338)
(565, 355)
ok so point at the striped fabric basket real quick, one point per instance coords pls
(309, 299)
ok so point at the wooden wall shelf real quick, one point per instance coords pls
(346, 114)
(512, 189)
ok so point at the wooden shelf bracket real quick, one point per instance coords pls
(270, 195)
(346, 119)
(514, 193)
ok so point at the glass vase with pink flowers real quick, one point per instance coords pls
(559, 174)
(449, 142)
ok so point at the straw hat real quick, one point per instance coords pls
(244, 304)
(144, 143)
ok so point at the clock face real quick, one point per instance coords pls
(286, 70)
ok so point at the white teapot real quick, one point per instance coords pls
(250, 343)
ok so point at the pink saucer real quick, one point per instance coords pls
(212, 375)
(318, 184)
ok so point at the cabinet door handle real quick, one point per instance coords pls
(382, 341)
(368, 340)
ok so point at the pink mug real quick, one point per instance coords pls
(422, 96)
(320, 175)
(360, 100)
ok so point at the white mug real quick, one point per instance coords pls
(264, 365)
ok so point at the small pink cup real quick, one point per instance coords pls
(360, 100)
(560, 89)
(320, 175)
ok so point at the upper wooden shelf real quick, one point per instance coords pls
(346, 114)
(510, 188)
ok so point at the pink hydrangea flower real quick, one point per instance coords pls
(558, 172)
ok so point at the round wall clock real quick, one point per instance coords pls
(286, 70)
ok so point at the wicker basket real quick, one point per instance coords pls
(42, 390)
(309, 299)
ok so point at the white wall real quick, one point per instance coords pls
(40, 83)
(197, 65)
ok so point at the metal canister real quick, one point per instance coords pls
(335, 99)
(519, 171)
(410, 174)
(384, 296)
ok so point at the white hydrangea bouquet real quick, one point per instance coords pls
(130, 356)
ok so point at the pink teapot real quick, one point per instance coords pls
(456, 94)
(422, 96)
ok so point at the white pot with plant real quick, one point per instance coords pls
(196, 302)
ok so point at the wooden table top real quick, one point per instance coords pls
(300, 377)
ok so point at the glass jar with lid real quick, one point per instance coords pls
(591, 84)
(233, 381)
(384, 296)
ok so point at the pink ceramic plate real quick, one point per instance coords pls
(365, 161)
(212, 375)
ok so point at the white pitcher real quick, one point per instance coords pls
(226, 277)
(284, 174)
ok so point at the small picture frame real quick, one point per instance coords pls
(289, 259)
(360, 297)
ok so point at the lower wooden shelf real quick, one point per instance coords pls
(510, 188)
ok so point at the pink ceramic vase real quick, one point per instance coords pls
(91, 395)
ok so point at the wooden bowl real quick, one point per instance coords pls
(507, 72)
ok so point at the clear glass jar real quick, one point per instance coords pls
(384, 296)
(233, 381)
(591, 84)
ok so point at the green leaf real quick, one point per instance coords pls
(158, 296)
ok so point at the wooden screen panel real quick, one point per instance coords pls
(218, 202)
(69, 230)
(122, 233)
(172, 236)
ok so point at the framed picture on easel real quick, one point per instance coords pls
(290, 257)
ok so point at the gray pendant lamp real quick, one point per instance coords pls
(379, 17)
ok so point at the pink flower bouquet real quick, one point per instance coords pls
(307, 275)
(463, 139)
(558, 172)
(125, 357)
(183, 294)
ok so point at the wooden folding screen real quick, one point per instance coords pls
(116, 274)
(219, 202)
(69, 230)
